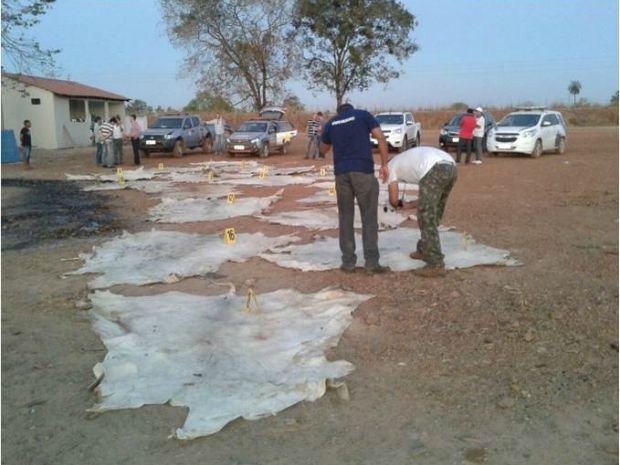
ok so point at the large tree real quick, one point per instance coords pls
(350, 44)
(238, 48)
(25, 54)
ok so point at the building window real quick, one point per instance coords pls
(35, 101)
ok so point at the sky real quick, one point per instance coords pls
(483, 53)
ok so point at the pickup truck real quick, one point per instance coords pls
(176, 134)
(262, 136)
(400, 129)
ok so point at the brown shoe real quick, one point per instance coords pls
(377, 269)
(416, 255)
(431, 271)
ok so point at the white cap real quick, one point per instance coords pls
(479, 109)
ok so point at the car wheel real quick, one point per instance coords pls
(264, 153)
(561, 146)
(207, 145)
(405, 145)
(284, 148)
(145, 154)
(417, 141)
(537, 152)
(179, 148)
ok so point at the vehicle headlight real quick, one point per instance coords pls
(168, 136)
(529, 133)
(443, 132)
(255, 141)
(397, 131)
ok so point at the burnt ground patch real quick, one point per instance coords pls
(34, 211)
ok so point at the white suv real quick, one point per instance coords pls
(528, 130)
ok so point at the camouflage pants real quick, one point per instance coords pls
(435, 187)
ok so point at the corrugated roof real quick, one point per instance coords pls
(66, 88)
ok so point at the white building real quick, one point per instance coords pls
(60, 111)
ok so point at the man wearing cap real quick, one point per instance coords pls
(478, 135)
(466, 135)
(348, 134)
(434, 171)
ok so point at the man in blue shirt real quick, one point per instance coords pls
(348, 134)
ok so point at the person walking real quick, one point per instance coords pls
(466, 134)
(98, 141)
(435, 173)
(134, 134)
(479, 134)
(347, 134)
(313, 127)
(106, 130)
(25, 140)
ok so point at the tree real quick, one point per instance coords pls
(138, 107)
(238, 48)
(614, 98)
(292, 102)
(207, 102)
(574, 88)
(23, 53)
(348, 45)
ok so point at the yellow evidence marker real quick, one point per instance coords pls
(229, 236)
(231, 197)
(251, 296)
(331, 191)
(263, 172)
(120, 176)
(160, 167)
(210, 176)
(322, 172)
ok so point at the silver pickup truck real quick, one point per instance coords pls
(175, 134)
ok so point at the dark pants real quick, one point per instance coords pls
(434, 189)
(135, 145)
(463, 143)
(365, 189)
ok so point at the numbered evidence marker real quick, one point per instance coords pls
(263, 172)
(331, 191)
(210, 176)
(231, 197)
(120, 176)
(229, 236)
(160, 167)
(322, 172)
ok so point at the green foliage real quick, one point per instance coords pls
(614, 99)
(139, 107)
(574, 88)
(205, 102)
(292, 102)
(348, 45)
(23, 53)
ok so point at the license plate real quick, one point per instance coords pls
(238, 147)
(150, 142)
(504, 146)
(455, 139)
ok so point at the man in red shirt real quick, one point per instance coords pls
(466, 135)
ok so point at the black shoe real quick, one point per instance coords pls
(377, 269)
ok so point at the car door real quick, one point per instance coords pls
(272, 135)
(549, 131)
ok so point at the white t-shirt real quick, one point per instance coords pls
(479, 131)
(413, 164)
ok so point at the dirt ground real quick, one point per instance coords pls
(495, 365)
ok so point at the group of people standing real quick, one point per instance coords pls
(471, 131)
(109, 138)
(347, 135)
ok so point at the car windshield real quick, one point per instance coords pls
(456, 120)
(390, 119)
(253, 127)
(168, 123)
(520, 120)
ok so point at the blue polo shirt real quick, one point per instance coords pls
(349, 135)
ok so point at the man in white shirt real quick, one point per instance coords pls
(434, 171)
(478, 135)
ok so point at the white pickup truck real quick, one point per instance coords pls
(400, 129)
